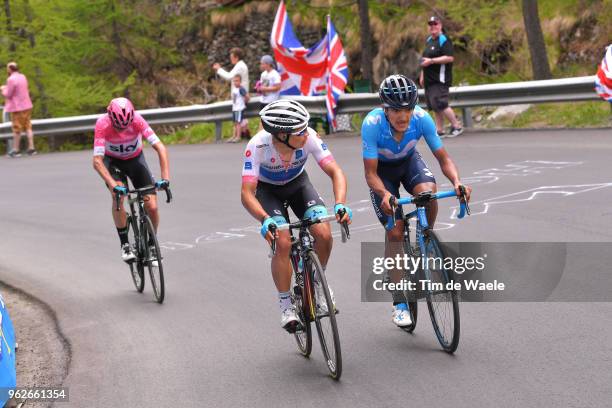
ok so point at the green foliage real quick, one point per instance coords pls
(61, 56)
(201, 133)
(570, 115)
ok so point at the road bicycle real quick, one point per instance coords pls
(442, 300)
(144, 242)
(308, 277)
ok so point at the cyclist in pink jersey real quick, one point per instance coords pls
(118, 156)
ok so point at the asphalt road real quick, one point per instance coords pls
(216, 341)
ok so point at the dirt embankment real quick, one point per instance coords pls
(43, 355)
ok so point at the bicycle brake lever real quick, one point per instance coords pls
(463, 199)
(272, 229)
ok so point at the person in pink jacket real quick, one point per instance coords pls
(17, 101)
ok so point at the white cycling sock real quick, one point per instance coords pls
(284, 300)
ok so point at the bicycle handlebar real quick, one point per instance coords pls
(142, 191)
(298, 224)
(463, 206)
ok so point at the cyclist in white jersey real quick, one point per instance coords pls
(273, 173)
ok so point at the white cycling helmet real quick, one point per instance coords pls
(284, 116)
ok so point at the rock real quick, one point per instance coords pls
(508, 112)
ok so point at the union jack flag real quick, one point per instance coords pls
(603, 81)
(309, 71)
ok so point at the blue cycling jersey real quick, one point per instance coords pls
(378, 141)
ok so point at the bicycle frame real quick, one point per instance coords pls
(301, 248)
(139, 214)
(420, 214)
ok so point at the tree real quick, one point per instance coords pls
(366, 40)
(535, 40)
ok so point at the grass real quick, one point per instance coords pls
(565, 115)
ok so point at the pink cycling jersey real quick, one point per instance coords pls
(122, 144)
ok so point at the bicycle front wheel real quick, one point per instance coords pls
(303, 337)
(156, 272)
(325, 320)
(411, 295)
(136, 267)
(443, 303)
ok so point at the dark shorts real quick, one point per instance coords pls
(299, 193)
(408, 172)
(238, 115)
(436, 96)
(135, 169)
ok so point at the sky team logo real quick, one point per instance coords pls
(323, 146)
(248, 153)
(248, 165)
(298, 153)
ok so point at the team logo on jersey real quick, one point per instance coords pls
(311, 203)
(419, 112)
(262, 145)
(248, 153)
(272, 160)
(373, 119)
(278, 212)
(248, 165)
(123, 147)
(427, 172)
(299, 153)
(323, 146)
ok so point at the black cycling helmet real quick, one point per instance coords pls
(397, 91)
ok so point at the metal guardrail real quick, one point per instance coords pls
(555, 90)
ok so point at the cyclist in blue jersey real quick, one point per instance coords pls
(273, 174)
(390, 135)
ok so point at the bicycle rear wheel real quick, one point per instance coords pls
(443, 304)
(327, 327)
(136, 267)
(155, 272)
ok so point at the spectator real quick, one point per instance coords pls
(437, 76)
(240, 68)
(269, 83)
(19, 104)
(240, 97)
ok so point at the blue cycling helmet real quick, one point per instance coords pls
(398, 92)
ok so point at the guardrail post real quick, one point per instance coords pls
(6, 118)
(467, 118)
(218, 133)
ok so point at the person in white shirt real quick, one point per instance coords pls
(240, 68)
(240, 97)
(269, 84)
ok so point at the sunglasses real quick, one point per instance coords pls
(300, 133)
(433, 23)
